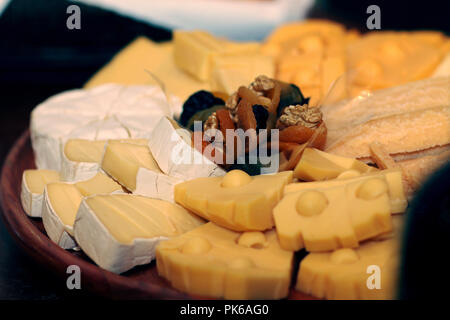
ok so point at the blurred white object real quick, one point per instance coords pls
(3, 4)
(234, 19)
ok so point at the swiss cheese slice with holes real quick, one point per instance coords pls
(367, 273)
(333, 218)
(235, 201)
(217, 262)
(397, 198)
(61, 202)
(81, 159)
(173, 151)
(105, 112)
(119, 232)
(134, 167)
(32, 193)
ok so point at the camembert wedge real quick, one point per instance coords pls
(119, 232)
(33, 185)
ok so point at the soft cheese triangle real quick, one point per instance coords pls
(33, 185)
(81, 159)
(61, 202)
(106, 112)
(236, 201)
(214, 261)
(332, 218)
(119, 232)
(134, 167)
(172, 149)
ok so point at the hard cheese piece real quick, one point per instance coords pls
(119, 232)
(106, 112)
(229, 72)
(236, 201)
(130, 64)
(33, 184)
(213, 261)
(318, 165)
(82, 158)
(194, 51)
(347, 273)
(176, 157)
(333, 218)
(397, 199)
(61, 202)
(134, 167)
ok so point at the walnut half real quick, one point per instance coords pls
(304, 115)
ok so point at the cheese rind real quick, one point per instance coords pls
(106, 112)
(172, 150)
(344, 273)
(397, 199)
(213, 261)
(32, 191)
(236, 201)
(351, 213)
(61, 202)
(119, 232)
(134, 167)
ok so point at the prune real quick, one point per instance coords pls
(290, 95)
(261, 115)
(198, 101)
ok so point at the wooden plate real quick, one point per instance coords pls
(139, 283)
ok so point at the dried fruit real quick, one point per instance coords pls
(290, 95)
(225, 122)
(261, 116)
(297, 134)
(198, 101)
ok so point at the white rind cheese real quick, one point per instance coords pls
(109, 111)
(32, 199)
(103, 243)
(176, 157)
(155, 185)
(57, 231)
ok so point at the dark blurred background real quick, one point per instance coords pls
(39, 57)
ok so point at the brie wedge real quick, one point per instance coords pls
(109, 111)
(172, 149)
(119, 232)
(61, 202)
(81, 158)
(33, 184)
(134, 167)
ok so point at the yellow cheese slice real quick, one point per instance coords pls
(235, 201)
(129, 65)
(65, 199)
(332, 218)
(100, 183)
(368, 272)
(318, 165)
(213, 261)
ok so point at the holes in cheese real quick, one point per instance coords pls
(119, 232)
(393, 178)
(212, 261)
(346, 273)
(228, 202)
(334, 217)
(33, 184)
(61, 203)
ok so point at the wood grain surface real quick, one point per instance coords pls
(141, 282)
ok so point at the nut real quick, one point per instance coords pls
(304, 115)
(262, 83)
(211, 122)
(232, 104)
